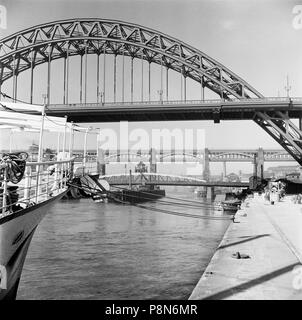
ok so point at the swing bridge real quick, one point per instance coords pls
(160, 179)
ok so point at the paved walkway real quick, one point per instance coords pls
(272, 236)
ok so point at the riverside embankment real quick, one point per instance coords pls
(271, 235)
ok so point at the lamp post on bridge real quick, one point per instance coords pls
(287, 87)
(101, 97)
(160, 93)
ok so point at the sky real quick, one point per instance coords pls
(256, 39)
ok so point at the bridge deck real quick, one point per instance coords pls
(176, 110)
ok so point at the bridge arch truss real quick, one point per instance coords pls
(61, 39)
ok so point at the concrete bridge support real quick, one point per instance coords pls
(101, 164)
(224, 173)
(260, 163)
(153, 160)
(210, 193)
(206, 165)
(255, 166)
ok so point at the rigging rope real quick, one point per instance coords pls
(176, 213)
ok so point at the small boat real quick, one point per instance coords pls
(218, 206)
(218, 201)
(231, 206)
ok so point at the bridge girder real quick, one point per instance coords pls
(283, 130)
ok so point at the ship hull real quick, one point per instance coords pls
(136, 196)
(16, 232)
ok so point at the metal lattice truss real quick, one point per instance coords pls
(283, 130)
(47, 42)
(124, 156)
(244, 156)
(248, 155)
(277, 155)
(167, 157)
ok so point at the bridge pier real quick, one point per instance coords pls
(152, 161)
(101, 164)
(224, 171)
(260, 162)
(255, 165)
(206, 165)
(210, 193)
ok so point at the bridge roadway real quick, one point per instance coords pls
(216, 110)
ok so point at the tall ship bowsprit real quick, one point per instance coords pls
(27, 189)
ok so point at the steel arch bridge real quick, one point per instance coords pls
(45, 43)
(60, 39)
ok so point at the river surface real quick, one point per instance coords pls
(88, 250)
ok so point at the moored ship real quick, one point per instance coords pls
(27, 191)
(137, 195)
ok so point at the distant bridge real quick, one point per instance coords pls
(152, 156)
(213, 155)
(166, 180)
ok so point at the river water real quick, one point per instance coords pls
(88, 250)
